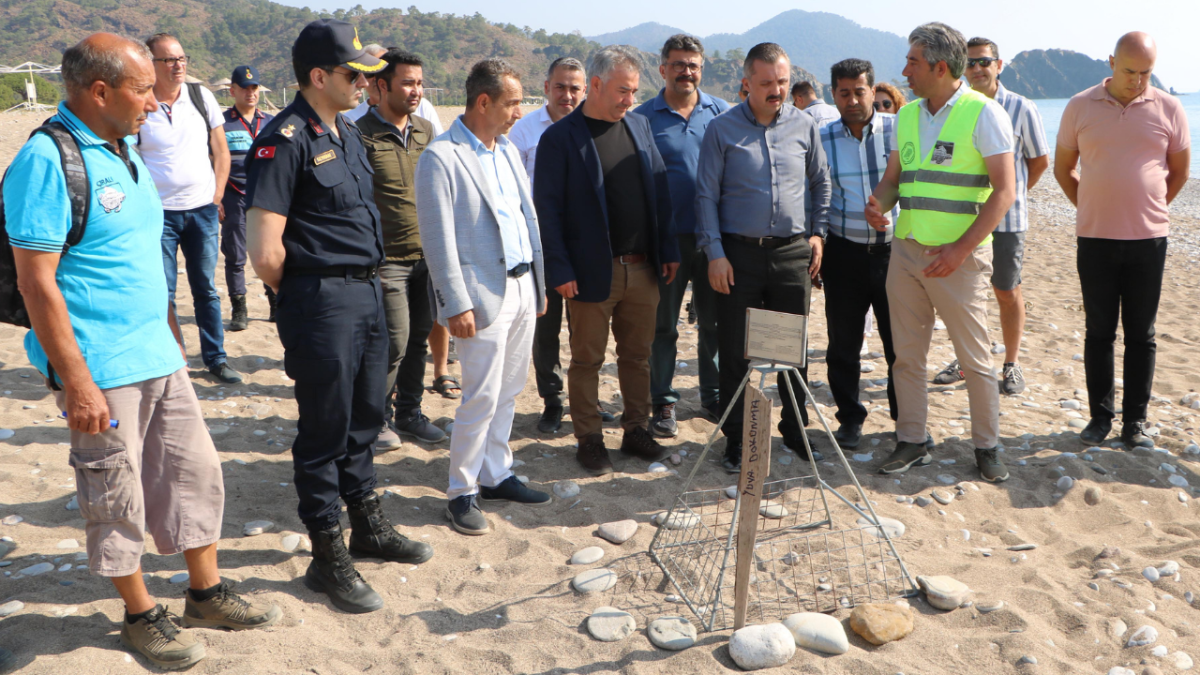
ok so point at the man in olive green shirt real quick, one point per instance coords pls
(394, 138)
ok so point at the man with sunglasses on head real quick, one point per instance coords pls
(177, 142)
(313, 234)
(678, 117)
(1031, 155)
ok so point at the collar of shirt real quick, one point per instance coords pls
(542, 115)
(85, 136)
(402, 135)
(233, 114)
(476, 144)
(784, 111)
(1100, 93)
(660, 101)
(874, 126)
(945, 106)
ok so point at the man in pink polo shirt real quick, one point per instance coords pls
(1132, 143)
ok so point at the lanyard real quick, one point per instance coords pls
(257, 123)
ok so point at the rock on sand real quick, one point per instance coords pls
(763, 646)
(880, 623)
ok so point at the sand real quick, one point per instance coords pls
(503, 603)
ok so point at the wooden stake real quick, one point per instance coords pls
(756, 465)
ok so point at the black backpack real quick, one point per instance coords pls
(12, 305)
(193, 90)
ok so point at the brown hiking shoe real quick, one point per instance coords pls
(593, 455)
(638, 442)
(226, 609)
(155, 637)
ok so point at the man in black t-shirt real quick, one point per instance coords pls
(604, 210)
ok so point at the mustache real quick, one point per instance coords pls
(772, 99)
(685, 78)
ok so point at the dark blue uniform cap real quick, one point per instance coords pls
(329, 42)
(245, 76)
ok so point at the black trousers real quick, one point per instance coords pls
(774, 279)
(1120, 279)
(335, 342)
(855, 279)
(547, 368)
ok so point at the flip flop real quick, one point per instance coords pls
(444, 384)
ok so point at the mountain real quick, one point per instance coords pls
(1055, 73)
(648, 37)
(813, 40)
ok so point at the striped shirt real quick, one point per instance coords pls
(855, 168)
(1030, 142)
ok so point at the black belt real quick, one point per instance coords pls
(871, 249)
(765, 242)
(519, 271)
(347, 271)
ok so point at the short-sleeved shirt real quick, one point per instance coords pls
(174, 144)
(678, 140)
(112, 280)
(1123, 160)
(322, 183)
(822, 112)
(993, 133)
(525, 135)
(239, 136)
(502, 181)
(855, 169)
(1029, 142)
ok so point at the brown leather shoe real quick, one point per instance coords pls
(593, 455)
(638, 442)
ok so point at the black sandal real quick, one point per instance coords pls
(444, 384)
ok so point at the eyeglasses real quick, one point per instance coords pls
(681, 66)
(982, 62)
(883, 105)
(172, 60)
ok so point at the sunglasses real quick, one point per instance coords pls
(883, 105)
(982, 62)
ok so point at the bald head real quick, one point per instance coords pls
(1137, 45)
(375, 49)
(102, 57)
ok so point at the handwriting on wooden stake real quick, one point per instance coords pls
(756, 465)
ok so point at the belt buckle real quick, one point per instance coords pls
(761, 240)
(622, 259)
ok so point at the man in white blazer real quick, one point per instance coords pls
(480, 235)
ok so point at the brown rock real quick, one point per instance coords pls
(1151, 670)
(1092, 496)
(881, 623)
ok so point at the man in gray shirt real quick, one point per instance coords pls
(757, 164)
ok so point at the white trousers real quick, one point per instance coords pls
(495, 367)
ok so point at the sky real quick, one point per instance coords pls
(1088, 26)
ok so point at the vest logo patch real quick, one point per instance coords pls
(909, 153)
(943, 154)
(111, 197)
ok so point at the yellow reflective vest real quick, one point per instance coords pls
(941, 188)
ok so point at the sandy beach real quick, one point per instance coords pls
(503, 603)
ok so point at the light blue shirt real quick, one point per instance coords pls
(498, 171)
(112, 280)
(1030, 142)
(855, 169)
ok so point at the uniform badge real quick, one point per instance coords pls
(265, 152)
(288, 130)
(909, 153)
(943, 154)
(327, 156)
(249, 75)
(111, 198)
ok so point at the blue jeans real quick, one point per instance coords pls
(197, 232)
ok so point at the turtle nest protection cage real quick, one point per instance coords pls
(802, 562)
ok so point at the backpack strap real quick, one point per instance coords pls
(198, 102)
(79, 189)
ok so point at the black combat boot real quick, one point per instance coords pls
(372, 536)
(239, 318)
(272, 301)
(332, 573)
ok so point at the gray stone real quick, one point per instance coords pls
(291, 542)
(1182, 661)
(618, 532)
(946, 479)
(609, 624)
(34, 570)
(944, 592)
(12, 520)
(924, 501)
(180, 578)
(1022, 547)
(657, 467)
(672, 632)
(1031, 660)
(1177, 481)
(819, 632)
(12, 607)
(256, 527)
(1092, 496)
(891, 526)
(1118, 670)
(1146, 635)
(1065, 483)
(679, 521)
(1117, 628)
(763, 646)
(73, 505)
(1151, 574)
(989, 607)
(6, 434)
(594, 581)
(566, 489)
(773, 510)
(587, 556)
(67, 543)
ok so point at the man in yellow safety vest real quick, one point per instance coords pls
(953, 178)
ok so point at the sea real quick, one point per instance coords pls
(1052, 110)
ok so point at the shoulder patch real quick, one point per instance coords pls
(265, 152)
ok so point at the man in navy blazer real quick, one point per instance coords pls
(604, 211)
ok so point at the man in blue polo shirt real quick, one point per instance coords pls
(100, 315)
(678, 117)
(243, 121)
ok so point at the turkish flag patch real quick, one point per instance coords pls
(267, 152)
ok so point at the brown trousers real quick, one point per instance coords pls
(632, 306)
(961, 301)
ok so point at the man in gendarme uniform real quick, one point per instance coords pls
(953, 177)
(394, 137)
(313, 234)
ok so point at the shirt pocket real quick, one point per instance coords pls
(336, 193)
(107, 486)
